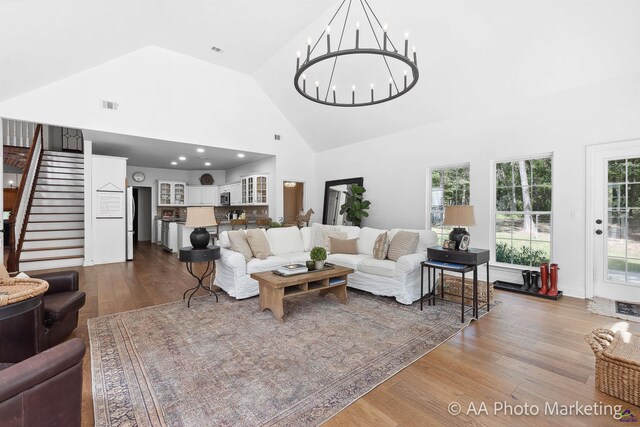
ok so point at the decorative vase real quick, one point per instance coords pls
(310, 265)
(200, 238)
(319, 265)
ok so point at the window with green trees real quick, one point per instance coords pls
(523, 211)
(449, 186)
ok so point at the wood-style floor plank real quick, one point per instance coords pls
(526, 351)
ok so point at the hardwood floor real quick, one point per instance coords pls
(527, 351)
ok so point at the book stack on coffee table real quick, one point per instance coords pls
(291, 269)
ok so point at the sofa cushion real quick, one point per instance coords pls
(403, 243)
(367, 239)
(319, 234)
(223, 240)
(379, 267)
(257, 239)
(259, 265)
(239, 243)
(305, 232)
(381, 246)
(297, 257)
(428, 238)
(59, 305)
(348, 260)
(284, 240)
(343, 246)
(353, 232)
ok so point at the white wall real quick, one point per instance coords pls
(170, 96)
(109, 235)
(395, 166)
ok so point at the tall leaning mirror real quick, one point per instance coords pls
(334, 197)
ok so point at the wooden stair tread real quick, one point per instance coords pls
(51, 248)
(53, 238)
(57, 229)
(57, 213)
(58, 198)
(53, 258)
(62, 220)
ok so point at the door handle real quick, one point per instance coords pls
(598, 232)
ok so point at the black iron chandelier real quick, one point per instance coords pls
(400, 81)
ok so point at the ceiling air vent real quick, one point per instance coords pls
(277, 137)
(109, 105)
(216, 49)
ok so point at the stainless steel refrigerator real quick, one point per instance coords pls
(131, 212)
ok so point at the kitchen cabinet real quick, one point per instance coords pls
(235, 193)
(254, 189)
(172, 193)
(203, 195)
(169, 233)
(158, 229)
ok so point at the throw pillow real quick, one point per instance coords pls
(403, 243)
(238, 240)
(4, 274)
(319, 233)
(343, 246)
(258, 242)
(381, 246)
(335, 234)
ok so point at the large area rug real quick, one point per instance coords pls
(230, 364)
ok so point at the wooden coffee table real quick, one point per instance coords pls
(274, 289)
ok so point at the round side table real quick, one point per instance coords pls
(191, 256)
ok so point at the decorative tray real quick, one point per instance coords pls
(327, 266)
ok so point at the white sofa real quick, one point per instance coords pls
(400, 279)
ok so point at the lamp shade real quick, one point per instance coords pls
(461, 215)
(200, 217)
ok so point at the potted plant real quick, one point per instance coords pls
(355, 206)
(318, 255)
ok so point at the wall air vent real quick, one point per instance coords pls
(216, 49)
(109, 105)
(277, 137)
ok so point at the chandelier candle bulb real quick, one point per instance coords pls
(405, 79)
(334, 94)
(384, 37)
(357, 35)
(390, 86)
(371, 92)
(353, 94)
(304, 83)
(415, 59)
(406, 44)
(298, 61)
(329, 39)
(317, 90)
(308, 49)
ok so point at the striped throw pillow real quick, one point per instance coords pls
(381, 246)
(403, 243)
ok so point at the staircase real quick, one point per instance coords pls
(54, 234)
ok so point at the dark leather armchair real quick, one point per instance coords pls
(62, 301)
(44, 390)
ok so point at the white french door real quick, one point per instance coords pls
(613, 223)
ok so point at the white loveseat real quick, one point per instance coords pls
(400, 279)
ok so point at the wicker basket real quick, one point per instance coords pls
(15, 290)
(617, 363)
(453, 290)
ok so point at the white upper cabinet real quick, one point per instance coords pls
(172, 193)
(235, 193)
(254, 189)
(203, 195)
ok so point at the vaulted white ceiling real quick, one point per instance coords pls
(473, 55)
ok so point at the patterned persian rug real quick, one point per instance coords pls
(230, 364)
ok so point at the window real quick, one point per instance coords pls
(449, 186)
(523, 211)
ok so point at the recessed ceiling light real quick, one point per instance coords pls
(183, 158)
(200, 150)
(240, 155)
(174, 163)
(207, 163)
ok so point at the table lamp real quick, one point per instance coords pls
(198, 219)
(459, 217)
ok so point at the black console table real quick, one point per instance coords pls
(459, 262)
(191, 256)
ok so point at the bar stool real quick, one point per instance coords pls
(264, 223)
(239, 223)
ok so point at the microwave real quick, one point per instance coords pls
(225, 199)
